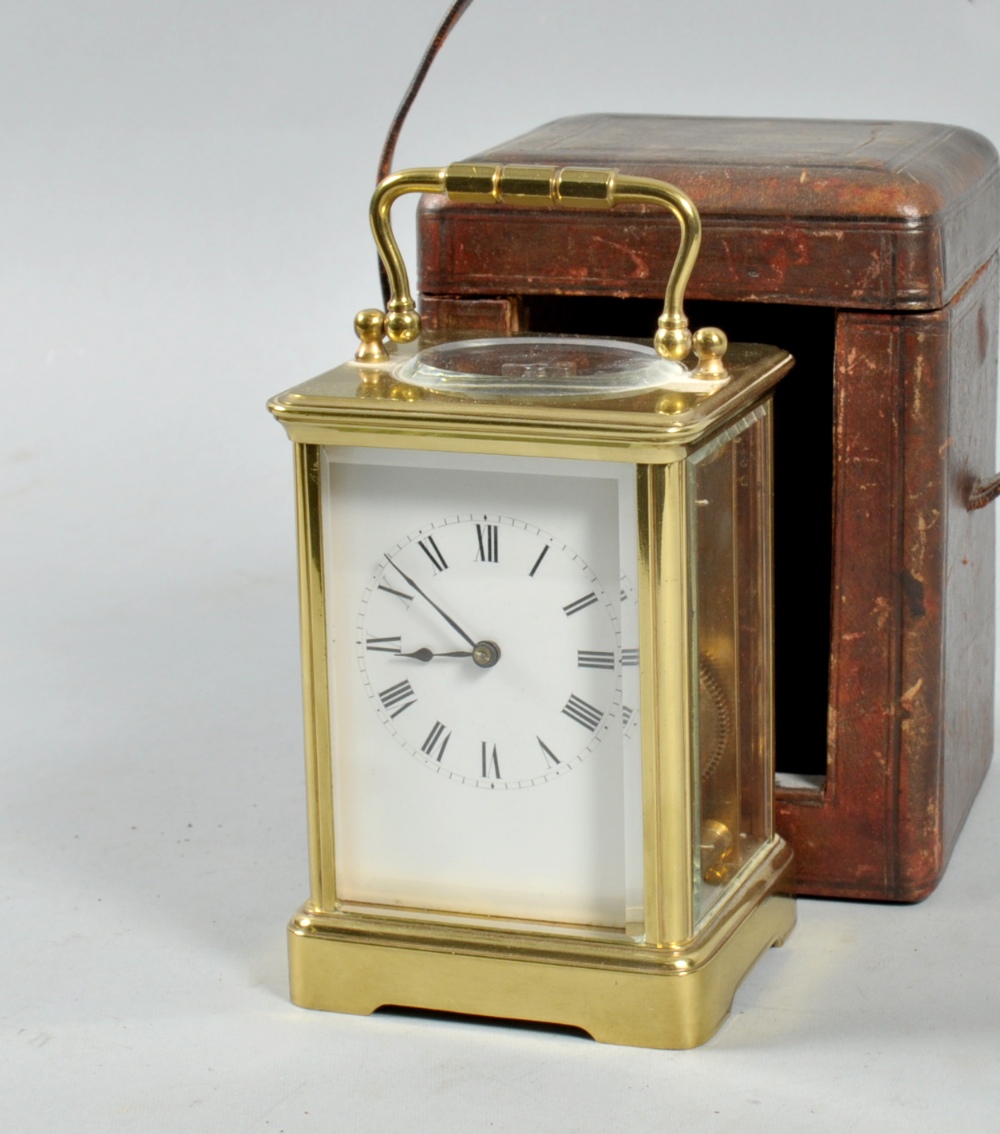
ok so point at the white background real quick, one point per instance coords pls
(182, 233)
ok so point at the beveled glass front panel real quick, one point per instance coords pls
(484, 718)
(729, 524)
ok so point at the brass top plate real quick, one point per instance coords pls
(366, 403)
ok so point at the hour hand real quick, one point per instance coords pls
(425, 655)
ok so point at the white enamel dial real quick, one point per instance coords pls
(490, 650)
(479, 762)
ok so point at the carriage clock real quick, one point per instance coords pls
(536, 632)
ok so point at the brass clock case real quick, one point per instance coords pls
(692, 431)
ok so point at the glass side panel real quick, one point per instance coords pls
(730, 525)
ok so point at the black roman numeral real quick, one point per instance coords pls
(384, 645)
(595, 659)
(433, 553)
(626, 715)
(402, 691)
(538, 561)
(550, 757)
(491, 767)
(407, 599)
(436, 739)
(580, 604)
(488, 536)
(630, 657)
(578, 710)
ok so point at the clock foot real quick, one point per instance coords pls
(619, 992)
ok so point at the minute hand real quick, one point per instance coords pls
(447, 617)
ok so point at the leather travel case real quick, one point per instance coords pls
(869, 250)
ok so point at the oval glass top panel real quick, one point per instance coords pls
(539, 366)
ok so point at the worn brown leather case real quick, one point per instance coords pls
(869, 250)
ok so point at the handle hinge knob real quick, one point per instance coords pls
(710, 345)
(369, 326)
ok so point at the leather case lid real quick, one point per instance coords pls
(876, 215)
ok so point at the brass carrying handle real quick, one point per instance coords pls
(534, 186)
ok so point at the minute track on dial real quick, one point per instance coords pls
(545, 685)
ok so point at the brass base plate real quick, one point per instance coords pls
(658, 999)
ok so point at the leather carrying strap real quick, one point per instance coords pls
(983, 493)
(451, 18)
